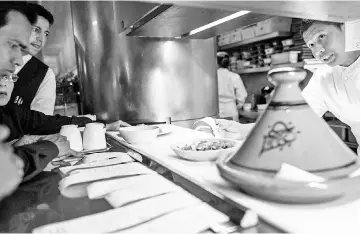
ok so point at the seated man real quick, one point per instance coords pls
(14, 33)
(36, 87)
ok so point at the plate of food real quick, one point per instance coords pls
(205, 149)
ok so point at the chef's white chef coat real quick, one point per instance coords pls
(337, 89)
(231, 92)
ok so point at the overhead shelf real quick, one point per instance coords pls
(267, 68)
(253, 70)
(264, 37)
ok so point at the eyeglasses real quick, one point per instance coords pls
(12, 78)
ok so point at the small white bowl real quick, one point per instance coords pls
(247, 106)
(207, 155)
(141, 134)
(261, 107)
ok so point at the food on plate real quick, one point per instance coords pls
(203, 145)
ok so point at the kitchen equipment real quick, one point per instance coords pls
(201, 149)
(273, 24)
(285, 57)
(288, 131)
(287, 42)
(129, 78)
(72, 133)
(246, 54)
(261, 107)
(248, 32)
(94, 136)
(141, 134)
(247, 106)
(269, 51)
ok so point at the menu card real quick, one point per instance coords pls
(75, 184)
(125, 217)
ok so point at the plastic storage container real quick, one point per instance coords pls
(273, 24)
(248, 32)
(285, 57)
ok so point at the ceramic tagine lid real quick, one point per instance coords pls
(290, 132)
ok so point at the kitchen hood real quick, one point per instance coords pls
(169, 21)
(176, 18)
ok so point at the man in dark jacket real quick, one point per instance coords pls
(14, 33)
(15, 23)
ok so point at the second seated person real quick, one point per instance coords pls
(231, 91)
(36, 87)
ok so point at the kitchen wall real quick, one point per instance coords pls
(254, 82)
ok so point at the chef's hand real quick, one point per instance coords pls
(63, 145)
(233, 130)
(116, 125)
(11, 166)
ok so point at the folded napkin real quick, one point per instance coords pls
(189, 220)
(155, 186)
(99, 189)
(76, 183)
(124, 217)
(292, 173)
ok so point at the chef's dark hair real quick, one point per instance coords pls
(307, 23)
(19, 6)
(223, 61)
(41, 11)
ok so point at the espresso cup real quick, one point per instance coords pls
(94, 136)
(72, 133)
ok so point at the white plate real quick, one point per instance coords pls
(207, 155)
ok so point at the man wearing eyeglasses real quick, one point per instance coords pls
(36, 87)
(14, 29)
(14, 36)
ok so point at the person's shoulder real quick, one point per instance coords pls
(234, 74)
(41, 63)
(51, 73)
(323, 72)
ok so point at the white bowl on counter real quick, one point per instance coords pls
(247, 106)
(261, 107)
(141, 134)
(188, 149)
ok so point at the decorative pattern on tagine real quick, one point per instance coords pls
(279, 136)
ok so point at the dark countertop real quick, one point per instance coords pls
(39, 202)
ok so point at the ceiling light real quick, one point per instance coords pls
(217, 22)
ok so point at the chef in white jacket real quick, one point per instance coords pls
(336, 86)
(231, 91)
